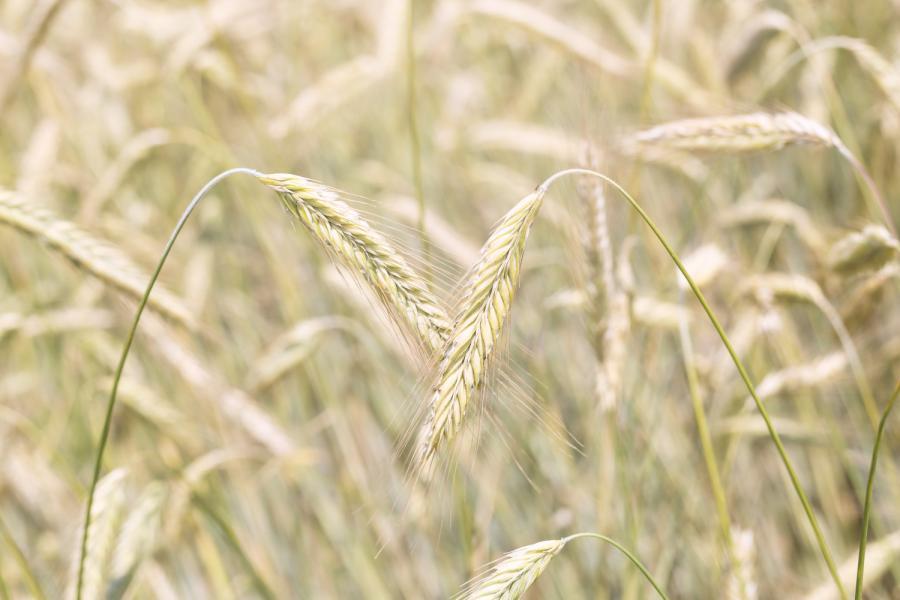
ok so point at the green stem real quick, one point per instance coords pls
(776, 439)
(634, 559)
(111, 403)
(706, 445)
(867, 506)
(19, 556)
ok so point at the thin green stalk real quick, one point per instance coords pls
(706, 445)
(111, 403)
(867, 506)
(776, 439)
(414, 139)
(634, 559)
(19, 556)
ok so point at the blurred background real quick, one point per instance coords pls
(257, 447)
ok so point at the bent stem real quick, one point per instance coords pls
(111, 403)
(634, 559)
(776, 439)
(867, 506)
(706, 445)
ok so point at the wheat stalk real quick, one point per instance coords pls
(97, 257)
(485, 304)
(366, 252)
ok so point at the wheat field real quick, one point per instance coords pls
(468, 299)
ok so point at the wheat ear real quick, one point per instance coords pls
(366, 252)
(485, 304)
(97, 257)
(865, 250)
(754, 132)
(511, 576)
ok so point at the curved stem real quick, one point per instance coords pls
(867, 506)
(776, 439)
(634, 559)
(111, 403)
(706, 446)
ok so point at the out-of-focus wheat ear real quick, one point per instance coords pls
(754, 132)
(741, 581)
(486, 300)
(797, 288)
(776, 211)
(137, 539)
(97, 257)
(608, 303)
(366, 253)
(739, 133)
(106, 519)
(866, 250)
(881, 555)
(35, 32)
(514, 573)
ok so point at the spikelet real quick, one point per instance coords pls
(513, 574)
(366, 253)
(104, 261)
(485, 304)
(865, 250)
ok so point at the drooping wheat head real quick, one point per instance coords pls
(867, 250)
(484, 307)
(97, 257)
(739, 133)
(513, 574)
(367, 253)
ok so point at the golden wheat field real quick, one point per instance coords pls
(463, 299)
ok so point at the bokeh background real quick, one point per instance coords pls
(257, 447)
